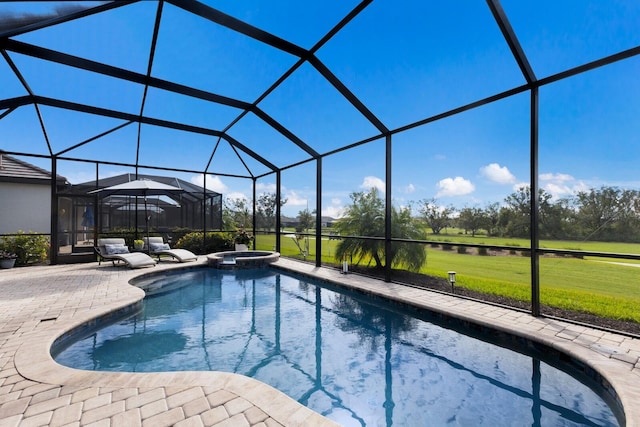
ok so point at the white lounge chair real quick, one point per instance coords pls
(157, 247)
(115, 250)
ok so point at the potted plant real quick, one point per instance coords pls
(7, 259)
(138, 244)
(242, 240)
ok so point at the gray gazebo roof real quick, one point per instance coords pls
(189, 191)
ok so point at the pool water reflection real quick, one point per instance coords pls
(355, 360)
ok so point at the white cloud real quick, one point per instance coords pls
(266, 188)
(235, 196)
(580, 186)
(557, 177)
(213, 183)
(440, 157)
(496, 173)
(557, 185)
(556, 190)
(294, 199)
(370, 182)
(561, 184)
(333, 211)
(520, 185)
(457, 186)
(409, 189)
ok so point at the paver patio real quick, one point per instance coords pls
(37, 304)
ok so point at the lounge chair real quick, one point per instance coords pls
(116, 250)
(157, 247)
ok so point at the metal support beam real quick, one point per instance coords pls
(387, 210)
(319, 212)
(228, 21)
(347, 94)
(13, 103)
(284, 131)
(254, 216)
(80, 11)
(119, 73)
(97, 224)
(278, 209)
(53, 249)
(535, 208)
(510, 36)
(151, 121)
(204, 206)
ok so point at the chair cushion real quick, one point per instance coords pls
(155, 247)
(116, 249)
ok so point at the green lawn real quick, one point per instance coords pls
(612, 247)
(590, 285)
(594, 285)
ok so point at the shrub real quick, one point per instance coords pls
(447, 247)
(128, 234)
(30, 248)
(462, 249)
(178, 233)
(483, 251)
(214, 242)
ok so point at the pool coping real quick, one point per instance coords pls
(618, 364)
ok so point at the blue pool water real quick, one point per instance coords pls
(356, 360)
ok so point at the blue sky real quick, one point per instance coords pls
(405, 61)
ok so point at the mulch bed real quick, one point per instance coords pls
(442, 285)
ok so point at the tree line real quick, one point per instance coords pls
(597, 214)
(237, 213)
(603, 214)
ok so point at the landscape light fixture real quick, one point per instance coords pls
(345, 266)
(452, 279)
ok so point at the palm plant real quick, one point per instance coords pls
(365, 218)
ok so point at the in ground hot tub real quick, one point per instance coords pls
(242, 259)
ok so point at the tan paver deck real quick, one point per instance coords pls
(37, 304)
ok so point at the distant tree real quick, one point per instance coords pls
(365, 217)
(608, 213)
(437, 217)
(236, 214)
(492, 218)
(515, 216)
(305, 222)
(472, 219)
(555, 218)
(266, 210)
(628, 224)
(228, 222)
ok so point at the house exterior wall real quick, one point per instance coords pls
(25, 207)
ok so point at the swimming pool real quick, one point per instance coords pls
(356, 360)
